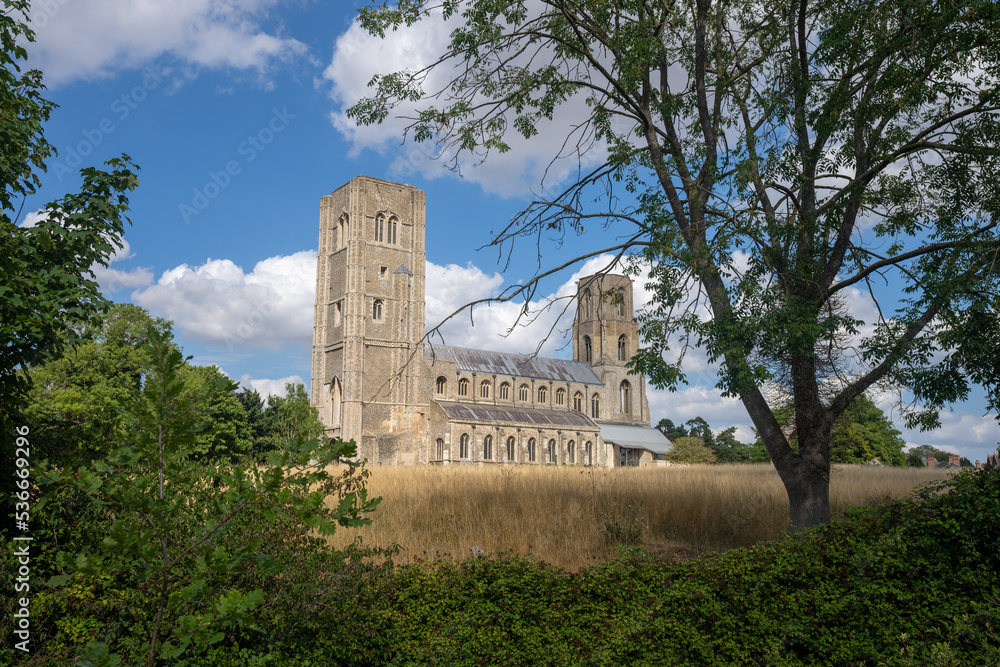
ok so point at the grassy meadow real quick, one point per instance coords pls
(575, 517)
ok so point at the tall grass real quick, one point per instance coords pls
(574, 517)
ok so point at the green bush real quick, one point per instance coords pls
(912, 582)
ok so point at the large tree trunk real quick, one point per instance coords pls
(808, 495)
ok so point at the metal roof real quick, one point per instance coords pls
(493, 413)
(635, 437)
(519, 365)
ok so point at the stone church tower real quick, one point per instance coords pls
(369, 319)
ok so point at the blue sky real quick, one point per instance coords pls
(233, 109)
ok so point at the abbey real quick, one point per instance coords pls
(404, 401)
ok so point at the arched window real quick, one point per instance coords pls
(522, 392)
(621, 302)
(488, 448)
(484, 389)
(380, 228)
(595, 406)
(587, 449)
(391, 232)
(578, 402)
(552, 451)
(463, 387)
(510, 448)
(588, 349)
(571, 451)
(441, 385)
(440, 449)
(505, 391)
(623, 348)
(463, 446)
(336, 396)
(626, 394)
(377, 310)
(543, 394)
(560, 397)
(589, 298)
(531, 449)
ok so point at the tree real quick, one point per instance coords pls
(765, 161)
(74, 405)
(917, 456)
(863, 433)
(730, 450)
(230, 437)
(47, 292)
(170, 514)
(291, 417)
(667, 428)
(688, 449)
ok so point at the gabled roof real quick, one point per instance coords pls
(495, 413)
(510, 363)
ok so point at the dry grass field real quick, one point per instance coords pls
(574, 517)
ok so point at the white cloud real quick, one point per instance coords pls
(270, 307)
(88, 39)
(110, 279)
(267, 387)
(358, 57)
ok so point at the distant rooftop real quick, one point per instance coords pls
(493, 413)
(509, 363)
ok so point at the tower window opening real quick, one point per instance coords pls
(623, 348)
(595, 406)
(588, 349)
(377, 310)
(626, 396)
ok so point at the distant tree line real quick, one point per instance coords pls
(861, 434)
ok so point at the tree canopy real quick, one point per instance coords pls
(792, 177)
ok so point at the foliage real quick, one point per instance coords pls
(291, 417)
(624, 522)
(74, 407)
(863, 433)
(230, 436)
(690, 450)
(917, 456)
(171, 520)
(764, 160)
(911, 582)
(46, 289)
